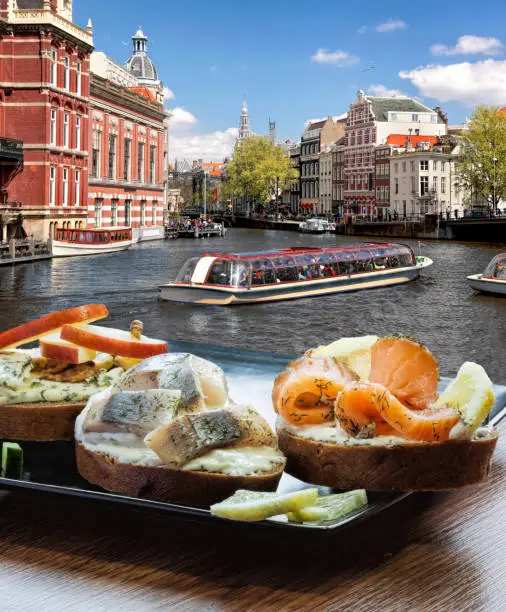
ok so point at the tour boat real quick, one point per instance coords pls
(316, 226)
(91, 241)
(493, 280)
(285, 274)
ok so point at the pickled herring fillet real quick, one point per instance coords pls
(142, 410)
(192, 435)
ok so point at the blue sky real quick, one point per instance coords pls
(298, 60)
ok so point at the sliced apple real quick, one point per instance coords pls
(113, 341)
(51, 323)
(53, 347)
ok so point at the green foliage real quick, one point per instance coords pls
(257, 169)
(485, 141)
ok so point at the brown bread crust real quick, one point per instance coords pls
(39, 421)
(433, 466)
(164, 483)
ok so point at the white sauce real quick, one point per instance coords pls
(237, 461)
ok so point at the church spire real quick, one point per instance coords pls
(244, 129)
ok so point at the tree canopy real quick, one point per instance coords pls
(482, 163)
(258, 168)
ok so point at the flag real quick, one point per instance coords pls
(421, 245)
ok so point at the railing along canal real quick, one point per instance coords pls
(18, 251)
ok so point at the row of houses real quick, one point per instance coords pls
(386, 157)
(90, 135)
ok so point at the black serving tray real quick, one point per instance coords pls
(50, 466)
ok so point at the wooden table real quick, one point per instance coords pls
(430, 552)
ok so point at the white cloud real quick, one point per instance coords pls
(168, 94)
(482, 82)
(213, 146)
(384, 92)
(181, 117)
(362, 30)
(335, 58)
(390, 25)
(470, 45)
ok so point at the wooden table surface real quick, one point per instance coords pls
(430, 552)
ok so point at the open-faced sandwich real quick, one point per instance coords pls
(365, 413)
(42, 390)
(167, 430)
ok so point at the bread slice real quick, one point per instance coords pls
(39, 421)
(431, 466)
(167, 484)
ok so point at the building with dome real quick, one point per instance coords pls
(83, 139)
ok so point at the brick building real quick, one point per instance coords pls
(382, 182)
(370, 120)
(338, 150)
(54, 105)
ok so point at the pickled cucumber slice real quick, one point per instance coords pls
(330, 507)
(255, 506)
(12, 460)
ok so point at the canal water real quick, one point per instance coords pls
(439, 309)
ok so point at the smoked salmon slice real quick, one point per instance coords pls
(359, 407)
(305, 393)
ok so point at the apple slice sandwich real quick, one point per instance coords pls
(43, 389)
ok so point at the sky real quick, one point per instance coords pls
(296, 60)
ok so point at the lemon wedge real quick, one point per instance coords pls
(330, 507)
(471, 395)
(255, 506)
(354, 352)
(126, 362)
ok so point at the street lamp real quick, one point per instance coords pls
(494, 159)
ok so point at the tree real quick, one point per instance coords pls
(258, 169)
(482, 163)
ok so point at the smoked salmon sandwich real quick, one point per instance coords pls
(167, 430)
(43, 389)
(365, 413)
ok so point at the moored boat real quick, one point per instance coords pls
(316, 226)
(493, 280)
(285, 274)
(91, 241)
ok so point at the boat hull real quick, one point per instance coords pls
(67, 249)
(229, 296)
(497, 287)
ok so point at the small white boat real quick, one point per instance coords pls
(493, 280)
(287, 274)
(91, 241)
(317, 226)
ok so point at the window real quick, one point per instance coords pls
(78, 78)
(52, 186)
(112, 157)
(52, 127)
(424, 185)
(443, 183)
(98, 212)
(114, 213)
(66, 73)
(443, 166)
(128, 212)
(143, 213)
(127, 159)
(387, 193)
(152, 164)
(434, 165)
(424, 165)
(412, 165)
(78, 132)
(77, 188)
(66, 121)
(413, 184)
(396, 185)
(53, 68)
(396, 167)
(404, 166)
(434, 183)
(394, 116)
(140, 162)
(95, 154)
(414, 117)
(65, 193)
(153, 213)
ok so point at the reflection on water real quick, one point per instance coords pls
(439, 309)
